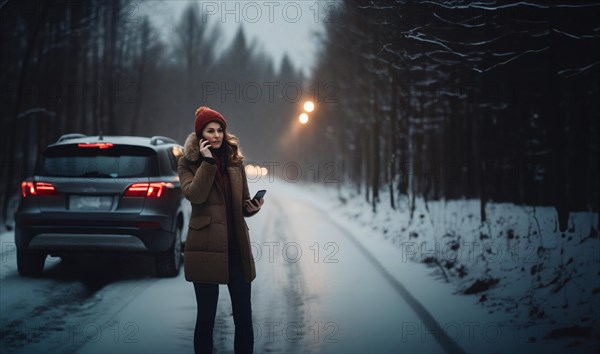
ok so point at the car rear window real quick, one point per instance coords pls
(117, 161)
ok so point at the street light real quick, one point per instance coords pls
(309, 106)
(303, 118)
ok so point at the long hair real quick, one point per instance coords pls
(232, 148)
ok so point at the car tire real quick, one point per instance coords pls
(168, 264)
(30, 264)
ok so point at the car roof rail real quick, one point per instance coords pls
(157, 139)
(70, 136)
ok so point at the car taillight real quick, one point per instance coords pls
(95, 145)
(150, 190)
(37, 188)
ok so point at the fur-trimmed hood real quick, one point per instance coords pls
(191, 150)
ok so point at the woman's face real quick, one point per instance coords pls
(213, 132)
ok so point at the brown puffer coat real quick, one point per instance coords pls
(206, 247)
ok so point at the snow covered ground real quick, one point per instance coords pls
(333, 277)
(516, 281)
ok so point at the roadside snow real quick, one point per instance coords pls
(513, 283)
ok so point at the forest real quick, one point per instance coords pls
(99, 67)
(497, 101)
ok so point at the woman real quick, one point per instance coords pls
(217, 248)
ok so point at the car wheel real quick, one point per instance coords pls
(169, 263)
(30, 264)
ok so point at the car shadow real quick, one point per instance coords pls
(95, 271)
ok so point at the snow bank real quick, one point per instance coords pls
(524, 275)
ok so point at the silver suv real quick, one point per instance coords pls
(103, 194)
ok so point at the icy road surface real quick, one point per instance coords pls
(318, 289)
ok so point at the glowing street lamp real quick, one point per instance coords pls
(303, 118)
(309, 106)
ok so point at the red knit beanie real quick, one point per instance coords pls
(205, 115)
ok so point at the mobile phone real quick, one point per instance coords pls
(260, 194)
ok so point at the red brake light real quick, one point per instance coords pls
(95, 145)
(37, 188)
(137, 190)
(27, 188)
(150, 190)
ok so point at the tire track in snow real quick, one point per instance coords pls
(295, 283)
(281, 292)
(447, 343)
(55, 312)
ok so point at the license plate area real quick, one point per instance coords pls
(90, 202)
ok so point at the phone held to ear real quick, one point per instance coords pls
(260, 194)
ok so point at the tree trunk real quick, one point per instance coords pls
(392, 136)
(559, 168)
(10, 128)
(376, 151)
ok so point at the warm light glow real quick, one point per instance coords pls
(255, 171)
(309, 106)
(303, 118)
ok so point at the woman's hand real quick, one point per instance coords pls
(204, 145)
(254, 205)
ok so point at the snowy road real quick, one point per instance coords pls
(321, 294)
(317, 290)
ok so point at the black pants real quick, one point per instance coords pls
(207, 296)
